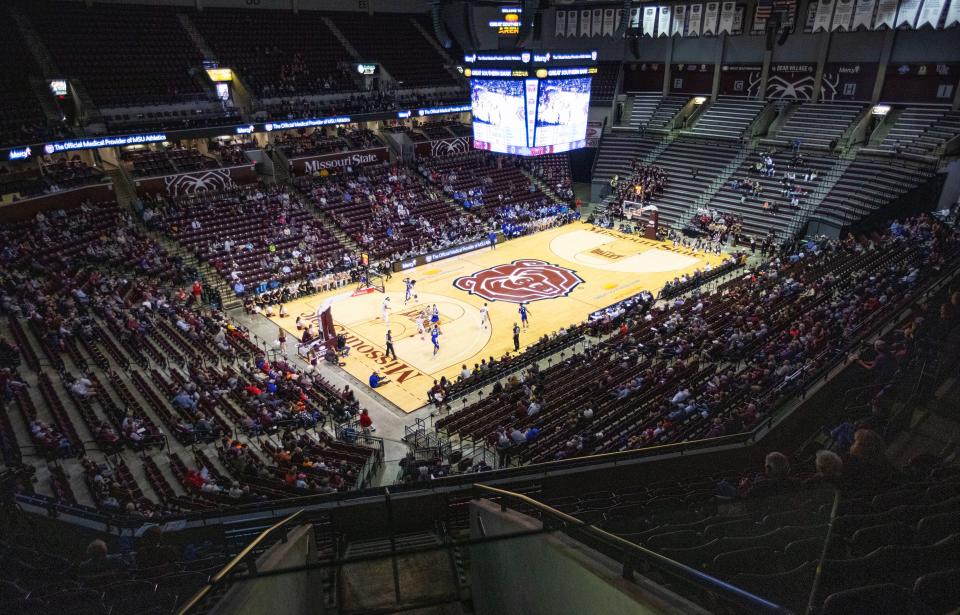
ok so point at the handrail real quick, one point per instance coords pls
(704, 580)
(233, 563)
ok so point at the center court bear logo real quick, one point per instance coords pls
(521, 281)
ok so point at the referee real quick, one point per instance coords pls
(390, 350)
(516, 337)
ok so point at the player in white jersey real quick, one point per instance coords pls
(420, 320)
(385, 310)
(484, 316)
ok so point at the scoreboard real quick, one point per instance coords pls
(530, 103)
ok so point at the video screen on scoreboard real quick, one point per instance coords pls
(498, 113)
(530, 117)
(563, 106)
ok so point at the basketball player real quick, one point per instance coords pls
(484, 316)
(390, 350)
(409, 293)
(385, 310)
(524, 312)
(435, 316)
(435, 338)
(421, 318)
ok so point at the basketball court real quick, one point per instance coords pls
(562, 274)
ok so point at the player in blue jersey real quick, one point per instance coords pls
(524, 312)
(435, 338)
(435, 315)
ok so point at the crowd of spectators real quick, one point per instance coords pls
(713, 364)
(645, 183)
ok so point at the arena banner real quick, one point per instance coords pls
(609, 16)
(824, 15)
(921, 83)
(728, 14)
(930, 13)
(596, 28)
(663, 24)
(572, 23)
(314, 164)
(863, 14)
(643, 77)
(886, 14)
(842, 15)
(439, 255)
(691, 78)
(740, 79)
(618, 20)
(791, 81)
(907, 15)
(649, 20)
(182, 184)
(710, 16)
(953, 14)
(848, 81)
(585, 23)
(443, 147)
(739, 15)
(695, 20)
(560, 30)
(679, 20)
(65, 199)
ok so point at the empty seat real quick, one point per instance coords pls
(884, 599)
(938, 592)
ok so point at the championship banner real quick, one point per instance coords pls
(560, 30)
(863, 14)
(886, 14)
(907, 16)
(618, 20)
(608, 16)
(710, 19)
(679, 19)
(649, 20)
(842, 15)
(663, 26)
(571, 23)
(696, 19)
(728, 12)
(597, 26)
(585, 23)
(738, 19)
(635, 19)
(953, 15)
(930, 13)
(811, 15)
(821, 22)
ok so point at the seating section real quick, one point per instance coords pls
(277, 53)
(603, 85)
(37, 580)
(148, 163)
(816, 125)
(389, 210)
(765, 202)
(691, 166)
(554, 171)
(258, 236)
(148, 61)
(868, 184)
(909, 126)
(687, 371)
(921, 131)
(654, 111)
(406, 54)
(21, 119)
(727, 118)
(617, 152)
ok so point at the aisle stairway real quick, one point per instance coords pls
(727, 118)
